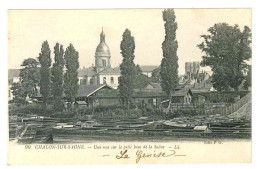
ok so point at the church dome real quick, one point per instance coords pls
(102, 48)
(102, 55)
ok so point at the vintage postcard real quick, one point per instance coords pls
(129, 86)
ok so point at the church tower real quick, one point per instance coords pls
(102, 55)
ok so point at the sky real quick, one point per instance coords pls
(27, 29)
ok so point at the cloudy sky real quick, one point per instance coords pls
(27, 29)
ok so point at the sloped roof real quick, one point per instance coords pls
(152, 87)
(156, 86)
(148, 68)
(199, 87)
(13, 73)
(87, 90)
(115, 70)
(87, 72)
(182, 92)
(84, 90)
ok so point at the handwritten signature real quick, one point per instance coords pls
(140, 155)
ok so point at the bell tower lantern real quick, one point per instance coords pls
(102, 55)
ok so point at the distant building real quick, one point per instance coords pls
(182, 96)
(102, 72)
(192, 71)
(148, 70)
(192, 67)
(13, 77)
(200, 87)
(153, 88)
(97, 95)
(98, 74)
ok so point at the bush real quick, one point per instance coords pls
(64, 114)
(134, 113)
(27, 109)
(41, 110)
(117, 112)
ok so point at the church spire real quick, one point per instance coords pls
(102, 36)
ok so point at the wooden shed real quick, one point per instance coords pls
(182, 96)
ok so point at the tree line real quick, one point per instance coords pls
(226, 51)
(37, 76)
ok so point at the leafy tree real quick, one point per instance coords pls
(29, 76)
(18, 93)
(71, 58)
(57, 77)
(138, 70)
(45, 73)
(248, 78)
(156, 75)
(127, 67)
(141, 81)
(169, 64)
(29, 81)
(226, 49)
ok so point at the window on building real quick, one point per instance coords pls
(104, 80)
(150, 101)
(154, 101)
(91, 81)
(112, 80)
(83, 81)
(104, 63)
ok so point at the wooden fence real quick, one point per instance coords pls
(225, 111)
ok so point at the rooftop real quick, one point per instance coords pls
(148, 68)
(87, 72)
(87, 90)
(115, 70)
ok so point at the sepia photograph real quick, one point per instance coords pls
(137, 76)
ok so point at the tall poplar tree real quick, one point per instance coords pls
(57, 77)
(127, 67)
(169, 64)
(45, 72)
(71, 58)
